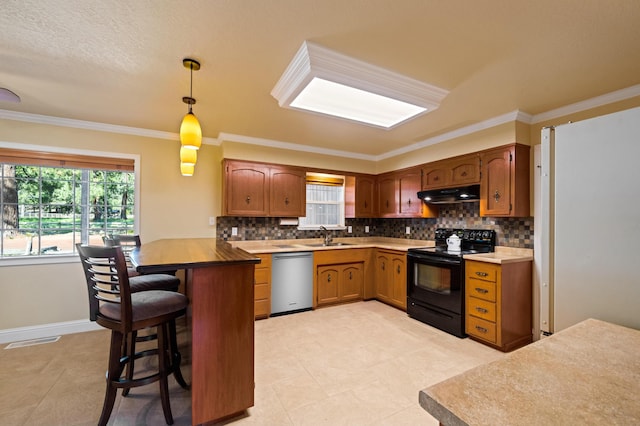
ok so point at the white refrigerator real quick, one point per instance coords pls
(590, 222)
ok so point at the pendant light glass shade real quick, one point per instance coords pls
(188, 156)
(190, 132)
(187, 169)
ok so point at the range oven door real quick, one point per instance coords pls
(437, 281)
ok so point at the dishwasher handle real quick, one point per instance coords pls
(293, 255)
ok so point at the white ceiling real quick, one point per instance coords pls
(120, 61)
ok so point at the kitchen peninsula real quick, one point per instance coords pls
(219, 284)
(585, 374)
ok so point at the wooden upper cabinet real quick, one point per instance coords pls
(465, 170)
(360, 196)
(409, 183)
(256, 189)
(387, 195)
(287, 192)
(435, 175)
(504, 190)
(452, 172)
(245, 189)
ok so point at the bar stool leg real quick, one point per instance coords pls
(164, 369)
(113, 375)
(176, 358)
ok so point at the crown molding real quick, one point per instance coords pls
(230, 137)
(92, 125)
(607, 98)
(463, 131)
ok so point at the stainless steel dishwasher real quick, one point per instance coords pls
(291, 282)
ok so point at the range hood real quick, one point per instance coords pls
(462, 194)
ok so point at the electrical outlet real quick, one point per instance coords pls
(349, 229)
(234, 231)
(212, 220)
(407, 230)
(366, 229)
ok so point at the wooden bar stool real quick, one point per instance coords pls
(113, 305)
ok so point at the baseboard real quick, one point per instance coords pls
(45, 330)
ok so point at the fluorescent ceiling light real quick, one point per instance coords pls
(336, 99)
(327, 82)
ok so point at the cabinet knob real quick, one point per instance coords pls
(436, 178)
(496, 196)
(286, 200)
(350, 276)
(482, 290)
(481, 274)
(387, 203)
(481, 310)
(383, 266)
(248, 200)
(329, 278)
(463, 174)
(398, 270)
(365, 204)
(409, 202)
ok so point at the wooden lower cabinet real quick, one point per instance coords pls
(262, 287)
(342, 275)
(499, 303)
(391, 277)
(340, 283)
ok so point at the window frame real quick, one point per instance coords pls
(75, 158)
(317, 179)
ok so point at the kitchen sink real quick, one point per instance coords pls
(328, 245)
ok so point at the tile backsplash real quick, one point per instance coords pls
(510, 232)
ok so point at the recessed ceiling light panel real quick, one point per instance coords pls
(326, 82)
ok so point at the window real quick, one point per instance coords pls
(51, 201)
(325, 201)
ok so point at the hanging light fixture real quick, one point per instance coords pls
(187, 169)
(190, 131)
(188, 156)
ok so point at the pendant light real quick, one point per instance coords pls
(190, 131)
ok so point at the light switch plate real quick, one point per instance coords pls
(212, 220)
(408, 230)
(349, 229)
(234, 231)
(366, 229)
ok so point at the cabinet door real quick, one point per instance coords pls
(365, 197)
(504, 188)
(246, 187)
(287, 192)
(436, 175)
(399, 281)
(465, 170)
(328, 277)
(495, 199)
(408, 186)
(387, 196)
(351, 282)
(383, 276)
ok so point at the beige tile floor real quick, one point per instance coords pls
(357, 364)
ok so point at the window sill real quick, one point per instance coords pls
(38, 260)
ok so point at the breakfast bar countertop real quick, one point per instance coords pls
(586, 374)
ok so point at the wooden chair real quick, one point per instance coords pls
(116, 307)
(139, 282)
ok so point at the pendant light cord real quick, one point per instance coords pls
(191, 85)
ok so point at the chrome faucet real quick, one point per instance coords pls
(327, 236)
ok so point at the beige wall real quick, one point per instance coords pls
(170, 206)
(173, 206)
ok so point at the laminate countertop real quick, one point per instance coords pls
(313, 244)
(588, 374)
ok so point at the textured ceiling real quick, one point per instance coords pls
(120, 61)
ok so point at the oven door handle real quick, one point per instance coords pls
(427, 260)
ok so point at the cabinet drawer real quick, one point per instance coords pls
(261, 308)
(482, 271)
(262, 275)
(481, 309)
(481, 289)
(481, 328)
(261, 291)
